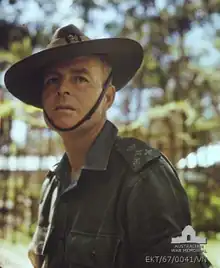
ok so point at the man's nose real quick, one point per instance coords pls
(63, 90)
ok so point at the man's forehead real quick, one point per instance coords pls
(76, 62)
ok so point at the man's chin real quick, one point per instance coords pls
(62, 124)
(62, 121)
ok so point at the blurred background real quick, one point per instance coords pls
(173, 103)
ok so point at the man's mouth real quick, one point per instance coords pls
(64, 107)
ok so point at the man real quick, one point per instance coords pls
(110, 202)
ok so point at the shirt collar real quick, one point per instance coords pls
(98, 154)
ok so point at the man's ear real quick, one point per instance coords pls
(109, 96)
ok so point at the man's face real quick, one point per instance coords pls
(72, 88)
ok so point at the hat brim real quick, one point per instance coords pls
(24, 78)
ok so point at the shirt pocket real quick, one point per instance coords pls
(91, 250)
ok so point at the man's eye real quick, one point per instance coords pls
(50, 81)
(80, 79)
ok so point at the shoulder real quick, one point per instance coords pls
(156, 175)
(136, 153)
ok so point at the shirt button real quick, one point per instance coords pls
(93, 254)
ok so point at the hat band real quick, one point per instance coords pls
(70, 39)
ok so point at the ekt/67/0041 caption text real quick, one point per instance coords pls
(175, 259)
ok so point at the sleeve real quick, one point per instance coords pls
(157, 211)
(37, 239)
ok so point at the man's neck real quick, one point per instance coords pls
(78, 143)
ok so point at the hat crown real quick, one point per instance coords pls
(70, 29)
(67, 34)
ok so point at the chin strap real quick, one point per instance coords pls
(88, 115)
